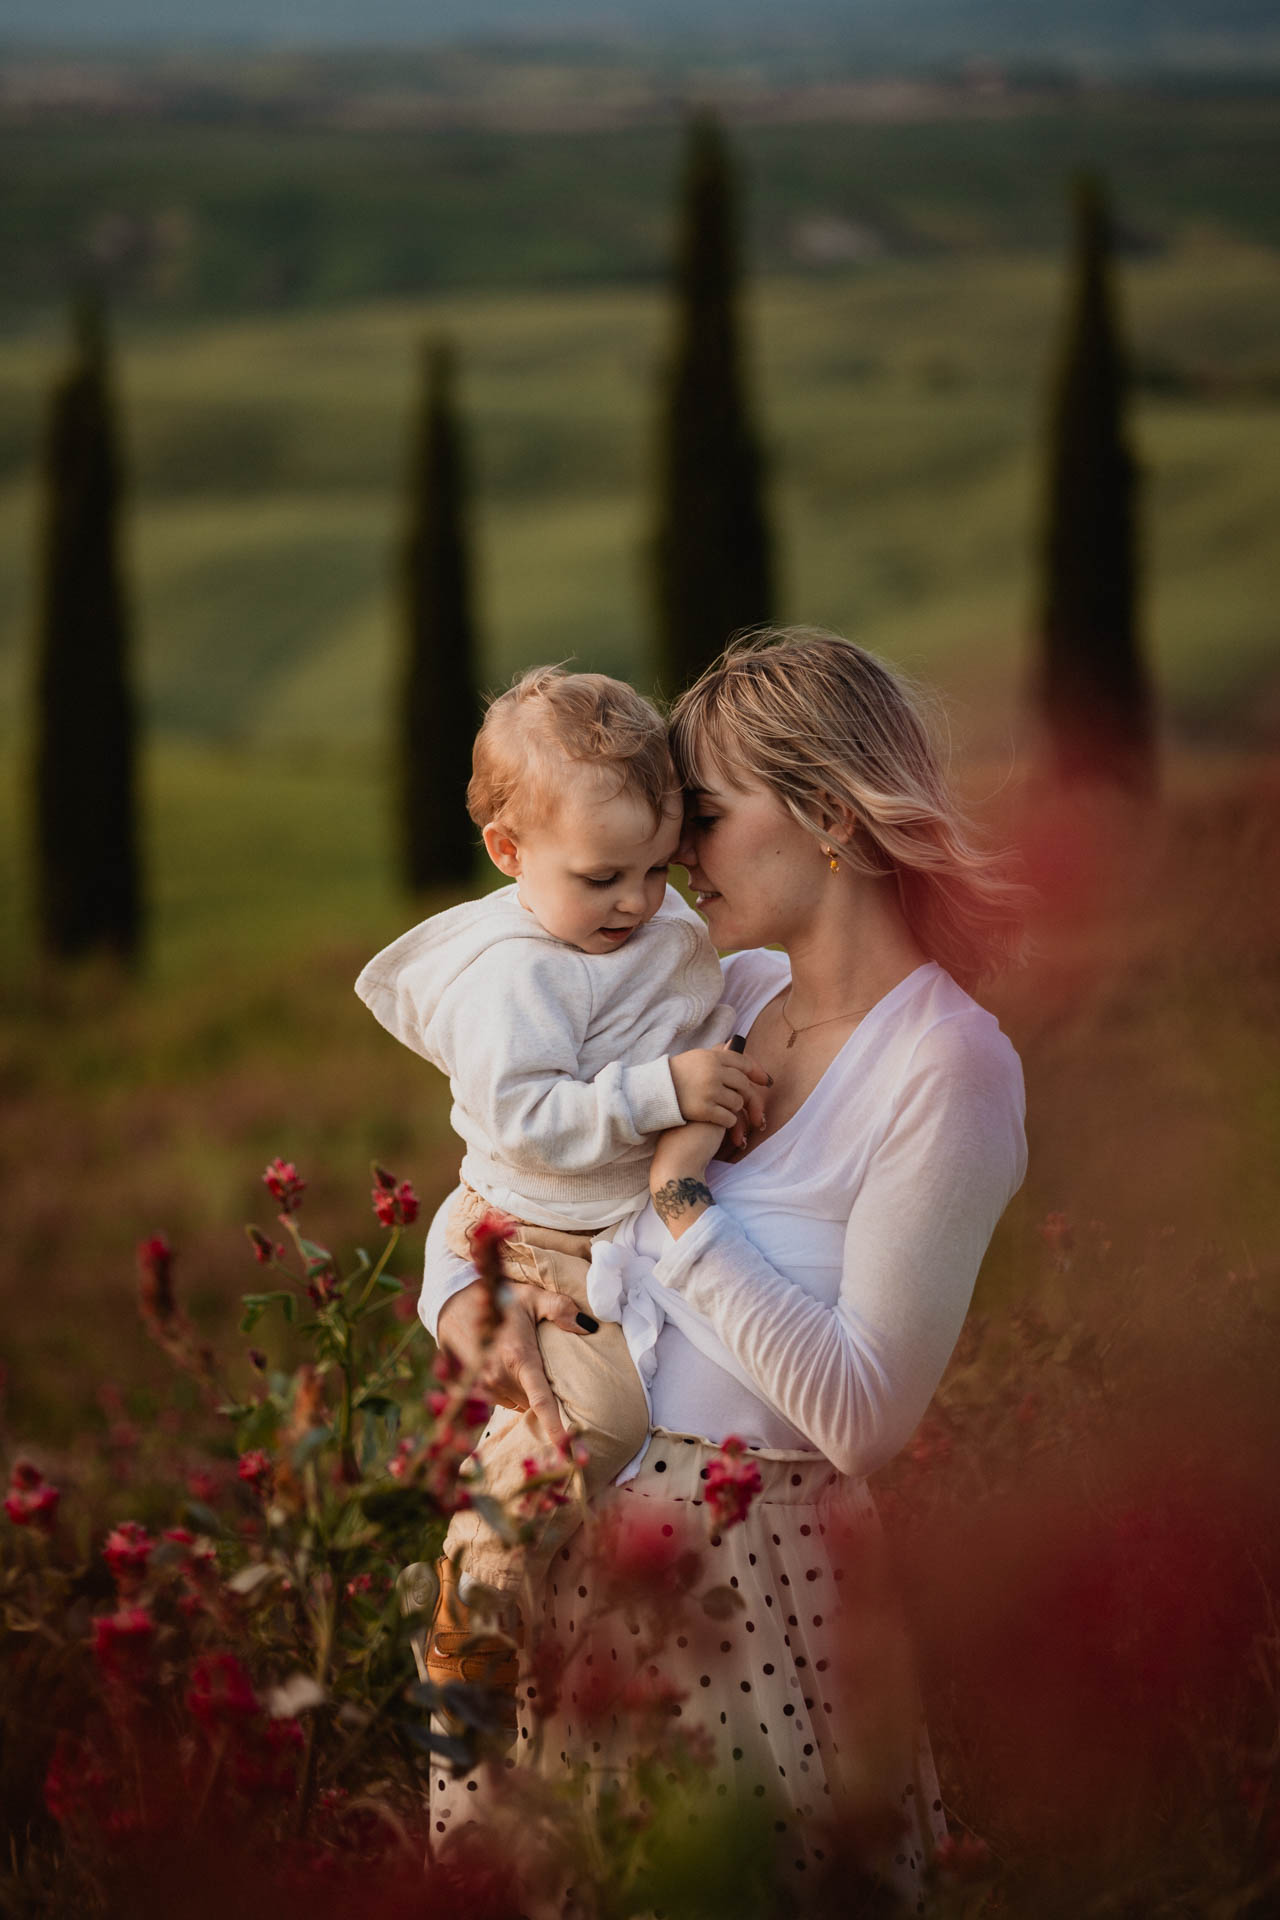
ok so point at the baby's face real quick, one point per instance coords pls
(597, 869)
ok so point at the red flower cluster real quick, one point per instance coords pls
(265, 1250)
(285, 1185)
(732, 1483)
(126, 1551)
(122, 1643)
(323, 1280)
(396, 1204)
(31, 1501)
(543, 1491)
(965, 1856)
(256, 1471)
(487, 1238)
(221, 1693)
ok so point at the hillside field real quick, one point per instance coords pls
(901, 406)
(902, 411)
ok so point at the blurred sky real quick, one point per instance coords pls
(918, 28)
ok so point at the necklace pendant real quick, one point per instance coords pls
(791, 1040)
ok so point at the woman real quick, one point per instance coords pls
(806, 1292)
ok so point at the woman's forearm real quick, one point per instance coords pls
(855, 1375)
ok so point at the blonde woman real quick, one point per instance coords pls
(805, 1292)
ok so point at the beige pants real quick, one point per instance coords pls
(595, 1382)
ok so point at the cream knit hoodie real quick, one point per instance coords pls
(557, 1059)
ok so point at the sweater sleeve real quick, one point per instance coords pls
(515, 1038)
(856, 1377)
(444, 1274)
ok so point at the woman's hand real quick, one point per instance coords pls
(508, 1366)
(677, 1177)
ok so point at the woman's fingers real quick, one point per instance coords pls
(542, 1402)
(751, 1068)
(557, 1308)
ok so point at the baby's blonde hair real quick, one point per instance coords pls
(825, 726)
(550, 716)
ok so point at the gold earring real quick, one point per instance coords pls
(832, 857)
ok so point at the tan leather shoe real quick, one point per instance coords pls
(458, 1653)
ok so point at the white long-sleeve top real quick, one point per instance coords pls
(817, 1302)
(557, 1059)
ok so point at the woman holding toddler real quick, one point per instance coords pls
(818, 1208)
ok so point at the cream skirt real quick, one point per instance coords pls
(794, 1687)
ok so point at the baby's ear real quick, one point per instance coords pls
(500, 845)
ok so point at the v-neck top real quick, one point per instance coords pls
(816, 1303)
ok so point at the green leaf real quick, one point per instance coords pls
(496, 1517)
(203, 1518)
(397, 1506)
(259, 1427)
(256, 1304)
(389, 1283)
(457, 1752)
(374, 1402)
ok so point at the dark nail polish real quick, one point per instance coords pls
(738, 1044)
(587, 1324)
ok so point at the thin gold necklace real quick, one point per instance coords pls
(858, 1013)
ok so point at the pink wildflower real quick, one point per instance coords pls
(126, 1551)
(395, 1203)
(732, 1483)
(221, 1691)
(322, 1278)
(122, 1640)
(31, 1501)
(965, 1856)
(285, 1185)
(255, 1470)
(265, 1250)
(204, 1484)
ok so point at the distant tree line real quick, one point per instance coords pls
(712, 572)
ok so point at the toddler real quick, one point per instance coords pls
(577, 1014)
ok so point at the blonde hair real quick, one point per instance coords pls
(549, 716)
(825, 726)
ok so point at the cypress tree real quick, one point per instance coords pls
(88, 880)
(439, 708)
(1093, 686)
(712, 552)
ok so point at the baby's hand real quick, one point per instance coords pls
(715, 1085)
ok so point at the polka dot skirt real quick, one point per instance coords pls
(772, 1682)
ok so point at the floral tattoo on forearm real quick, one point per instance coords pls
(673, 1197)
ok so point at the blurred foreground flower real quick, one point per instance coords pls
(732, 1483)
(31, 1501)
